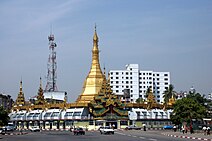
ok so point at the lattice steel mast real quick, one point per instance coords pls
(51, 66)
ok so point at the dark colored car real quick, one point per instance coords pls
(79, 131)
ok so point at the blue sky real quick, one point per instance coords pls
(162, 35)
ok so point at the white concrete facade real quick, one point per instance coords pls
(137, 81)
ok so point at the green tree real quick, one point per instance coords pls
(168, 93)
(4, 118)
(186, 109)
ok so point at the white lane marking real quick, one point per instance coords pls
(153, 139)
(120, 133)
(134, 136)
(142, 138)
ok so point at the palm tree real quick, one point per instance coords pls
(168, 93)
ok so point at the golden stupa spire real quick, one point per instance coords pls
(93, 82)
(40, 96)
(20, 99)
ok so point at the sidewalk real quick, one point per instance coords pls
(195, 136)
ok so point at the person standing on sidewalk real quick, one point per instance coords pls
(191, 129)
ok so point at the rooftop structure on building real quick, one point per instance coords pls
(137, 81)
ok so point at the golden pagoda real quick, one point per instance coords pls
(20, 101)
(95, 78)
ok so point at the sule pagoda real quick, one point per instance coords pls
(96, 106)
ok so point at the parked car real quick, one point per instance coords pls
(2, 130)
(133, 127)
(106, 130)
(9, 128)
(79, 131)
(168, 127)
(35, 129)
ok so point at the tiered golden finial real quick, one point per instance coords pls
(20, 101)
(171, 100)
(93, 82)
(150, 99)
(40, 96)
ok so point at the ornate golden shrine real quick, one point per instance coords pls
(107, 105)
(20, 99)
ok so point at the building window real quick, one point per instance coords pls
(117, 86)
(166, 74)
(111, 73)
(130, 82)
(117, 73)
(111, 77)
(166, 83)
(166, 79)
(117, 77)
(117, 91)
(130, 73)
(111, 82)
(117, 82)
(126, 73)
(127, 77)
(158, 75)
(127, 82)
(130, 77)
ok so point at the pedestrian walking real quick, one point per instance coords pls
(175, 128)
(208, 130)
(204, 130)
(183, 129)
(144, 125)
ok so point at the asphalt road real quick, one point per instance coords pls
(91, 136)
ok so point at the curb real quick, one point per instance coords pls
(186, 137)
(12, 134)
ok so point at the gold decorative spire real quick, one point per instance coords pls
(20, 99)
(40, 97)
(93, 82)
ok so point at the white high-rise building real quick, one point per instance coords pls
(135, 82)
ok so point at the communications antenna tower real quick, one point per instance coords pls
(51, 66)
